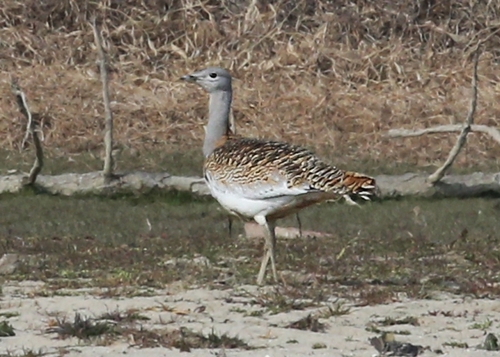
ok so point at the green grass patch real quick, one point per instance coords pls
(6, 329)
(81, 327)
(412, 246)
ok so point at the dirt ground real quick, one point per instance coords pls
(439, 325)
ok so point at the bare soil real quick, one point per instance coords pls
(448, 325)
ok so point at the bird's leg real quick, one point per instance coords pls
(262, 271)
(270, 252)
(299, 223)
(230, 226)
(271, 228)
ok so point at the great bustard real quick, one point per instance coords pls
(260, 179)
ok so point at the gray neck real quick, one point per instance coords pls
(218, 119)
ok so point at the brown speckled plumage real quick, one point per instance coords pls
(240, 160)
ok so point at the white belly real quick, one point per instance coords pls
(250, 208)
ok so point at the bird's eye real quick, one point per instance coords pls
(213, 75)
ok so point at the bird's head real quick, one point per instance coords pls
(212, 79)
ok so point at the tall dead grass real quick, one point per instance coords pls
(332, 75)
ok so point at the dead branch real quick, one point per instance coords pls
(30, 130)
(23, 107)
(494, 133)
(108, 130)
(462, 138)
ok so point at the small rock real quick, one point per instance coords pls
(196, 261)
(201, 261)
(9, 264)
(490, 343)
(386, 345)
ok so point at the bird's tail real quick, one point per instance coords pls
(358, 185)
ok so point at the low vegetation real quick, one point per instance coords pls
(406, 246)
(6, 329)
(81, 327)
(110, 327)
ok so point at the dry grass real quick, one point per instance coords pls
(82, 327)
(86, 328)
(334, 75)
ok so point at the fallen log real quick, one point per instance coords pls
(95, 183)
(389, 186)
(418, 185)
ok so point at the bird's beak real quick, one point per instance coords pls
(189, 78)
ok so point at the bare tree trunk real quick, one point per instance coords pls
(462, 138)
(30, 130)
(108, 130)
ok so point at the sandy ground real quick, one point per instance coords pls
(346, 335)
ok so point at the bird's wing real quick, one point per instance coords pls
(254, 169)
(257, 169)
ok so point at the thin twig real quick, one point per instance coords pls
(30, 130)
(493, 132)
(23, 107)
(462, 138)
(108, 130)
